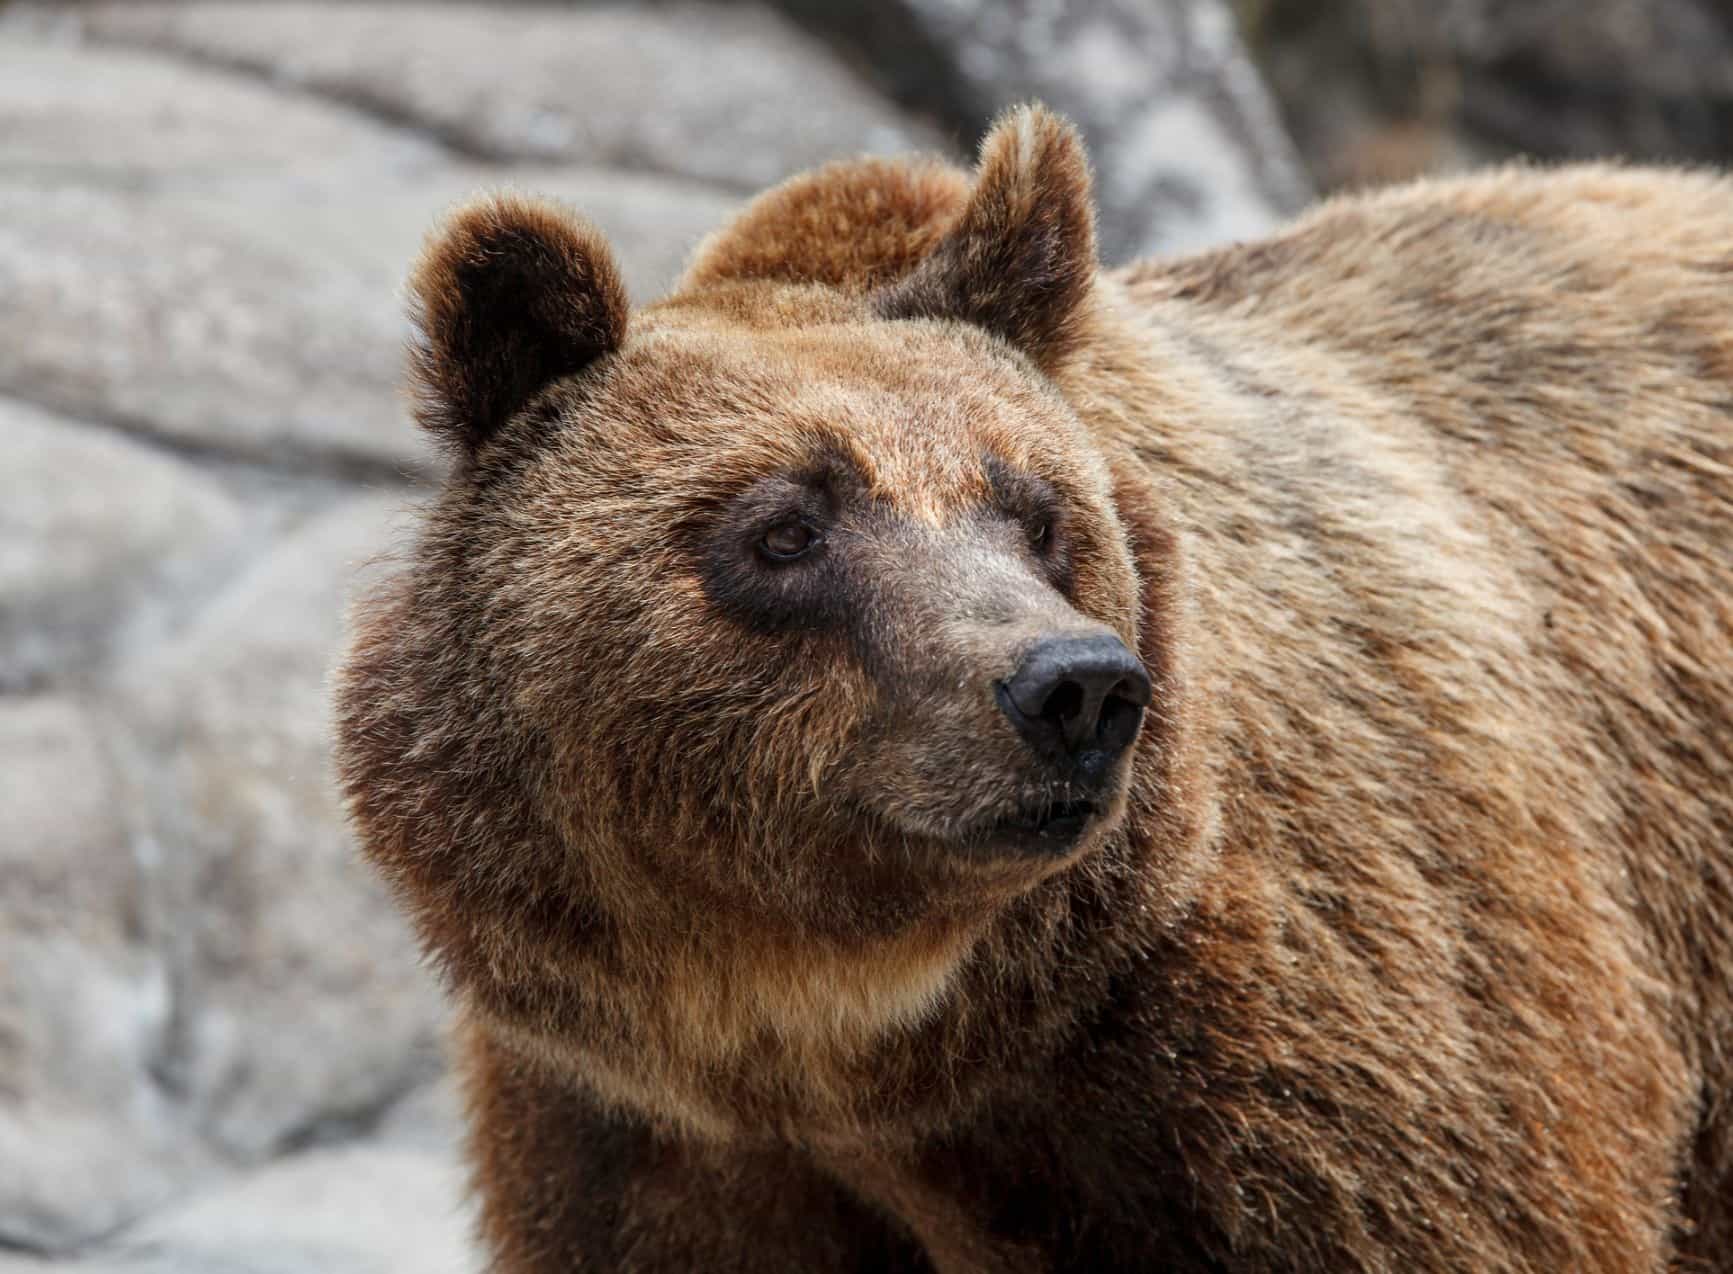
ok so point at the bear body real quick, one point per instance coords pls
(1400, 938)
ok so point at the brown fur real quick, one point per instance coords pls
(1404, 944)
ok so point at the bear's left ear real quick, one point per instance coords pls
(1021, 261)
(509, 295)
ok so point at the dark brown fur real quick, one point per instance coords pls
(1405, 944)
(516, 295)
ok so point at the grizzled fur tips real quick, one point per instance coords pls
(855, 225)
(1396, 936)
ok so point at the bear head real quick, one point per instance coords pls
(766, 646)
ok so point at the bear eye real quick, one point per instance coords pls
(788, 540)
(1038, 529)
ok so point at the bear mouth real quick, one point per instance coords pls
(1050, 827)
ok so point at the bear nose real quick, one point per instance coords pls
(1077, 697)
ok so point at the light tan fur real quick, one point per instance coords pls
(1401, 942)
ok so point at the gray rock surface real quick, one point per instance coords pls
(80, 558)
(1187, 146)
(88, 1140)
(218, 1049)
(297, 998)
(194, 254)
(79, 112)
(730, 94)
(1576, 78)
(376, 1208)
(176, 313)
(1379, 90)
(261, 318)
(198, 970)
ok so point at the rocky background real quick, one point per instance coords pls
(218, 1053)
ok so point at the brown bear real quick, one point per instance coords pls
(919, 753)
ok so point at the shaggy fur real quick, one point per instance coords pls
(1402, 941)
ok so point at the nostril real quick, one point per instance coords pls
(1064, 704)
(1118, 721)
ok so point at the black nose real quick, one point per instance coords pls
(1077, 697)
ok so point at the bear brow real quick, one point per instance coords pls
(827, 468)
(1015, 489)
(836, 466)
(828, 473)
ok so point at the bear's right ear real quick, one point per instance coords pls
(509, 295)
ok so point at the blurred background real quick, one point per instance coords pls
(218, 1054)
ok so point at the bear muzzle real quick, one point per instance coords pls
(1077, 703)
